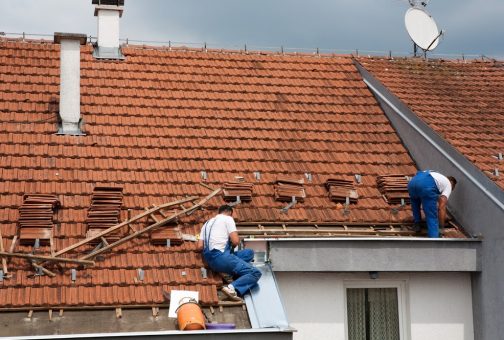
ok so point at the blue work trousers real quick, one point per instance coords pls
(424, 192)
(238, 265)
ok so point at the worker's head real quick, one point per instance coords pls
(453, 182)
(226, 210)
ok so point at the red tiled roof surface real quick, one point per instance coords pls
(462, 101)
(153, 123)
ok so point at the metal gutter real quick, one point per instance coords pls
(267, 333)
(346, 239)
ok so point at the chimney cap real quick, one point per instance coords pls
(58, 36)
(109, 2)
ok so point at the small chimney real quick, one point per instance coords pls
(69, 106)
(108, 13)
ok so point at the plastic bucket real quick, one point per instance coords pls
(190, 317)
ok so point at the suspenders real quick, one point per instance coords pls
(208, 233)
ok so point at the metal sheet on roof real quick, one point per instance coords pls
(264, 304)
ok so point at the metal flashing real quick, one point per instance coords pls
(108, 53)
(264, 304)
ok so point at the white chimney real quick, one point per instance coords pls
(69, 106)
(108, 13)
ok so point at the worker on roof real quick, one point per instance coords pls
(218, 238)
(431, 190)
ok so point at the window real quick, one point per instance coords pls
(376, 310)
(372, 314)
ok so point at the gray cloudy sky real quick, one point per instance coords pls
(472, 26)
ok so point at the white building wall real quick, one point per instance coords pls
(437, 306)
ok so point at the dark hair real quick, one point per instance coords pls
(225, 208)
(453, 181)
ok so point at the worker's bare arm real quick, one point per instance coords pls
(442, 210)
(199, 245)
(235, 239)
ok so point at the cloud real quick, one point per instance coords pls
(471, 27)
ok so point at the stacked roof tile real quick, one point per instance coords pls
(105, 211)
(461, 100)
(36, 218)
(394, 188)
(287, 188)
(156, 120)
(342, 190)
(233, 190)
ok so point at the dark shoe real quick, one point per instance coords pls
(417, 227)
(226, 277)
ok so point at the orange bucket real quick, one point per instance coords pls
(189, 316)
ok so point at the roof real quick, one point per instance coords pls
(461, 100)
(156, 120)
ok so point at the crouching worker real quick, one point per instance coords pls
(217, 240)
(430, 190)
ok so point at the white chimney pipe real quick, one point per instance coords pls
(108, 13)
(108, 27)
(69, 108)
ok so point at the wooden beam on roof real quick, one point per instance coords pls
(111, 229)
(44, 270)
(4, 260)
(13, 244)
(153, 226)
(45, 258)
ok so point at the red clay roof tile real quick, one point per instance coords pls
(153, 123)
(462, 101)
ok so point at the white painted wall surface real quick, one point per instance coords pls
(108, 28)
(438, 306)
(70, 84)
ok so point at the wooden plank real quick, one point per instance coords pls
(13, 244)
(155, 225)
(4, 260)
(45, 258)
(46, 271)
(206, 186)
(61, 312)
(324, 224)
(50, 314)
(111, 229)
(51, 244)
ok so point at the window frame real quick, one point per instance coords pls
(402, 301)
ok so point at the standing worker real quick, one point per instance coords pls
(217, 239)
(431, 190)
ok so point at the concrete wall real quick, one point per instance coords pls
(436, 306)
(477, 203)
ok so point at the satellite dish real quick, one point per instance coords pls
(422, 28)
